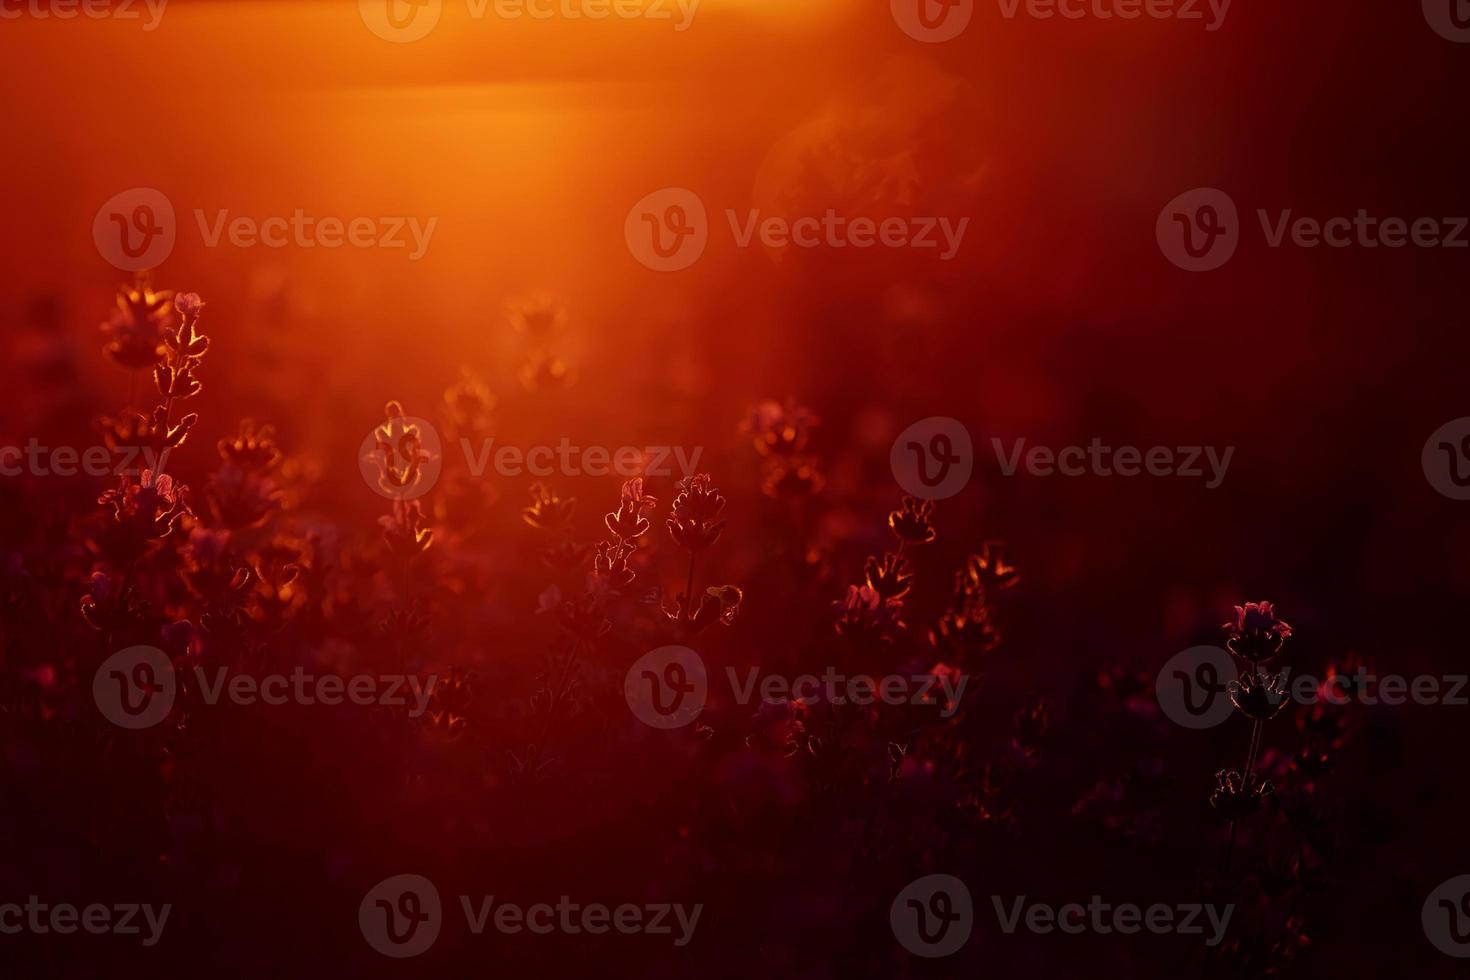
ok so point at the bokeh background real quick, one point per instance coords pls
(1058, 321)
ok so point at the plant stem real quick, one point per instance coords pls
(1250, 760)
(689, 591)
(1250, 765)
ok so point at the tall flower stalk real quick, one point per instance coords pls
(1255, 636)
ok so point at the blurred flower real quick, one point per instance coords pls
(967, 628)
(544, 372)
(1259, 697)
(151, 507)
(135, 332)
(241, 498)
(566, 556)
(584, 618)
(1256, 634)
(397, 439)
(913, 522)
(866, 617)
(776, 727)
(252, 449)
(610, 567)
(629, 521)
(189, 304)
(798, 476)
(779, 430)
(719, 604)
(1234, 797)
(538, 317)
(101, 605)
(470, 403)
(548, 512)
(989, 571)
(694, 523)
(404, 530)
(888, 576)
(185, 343)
